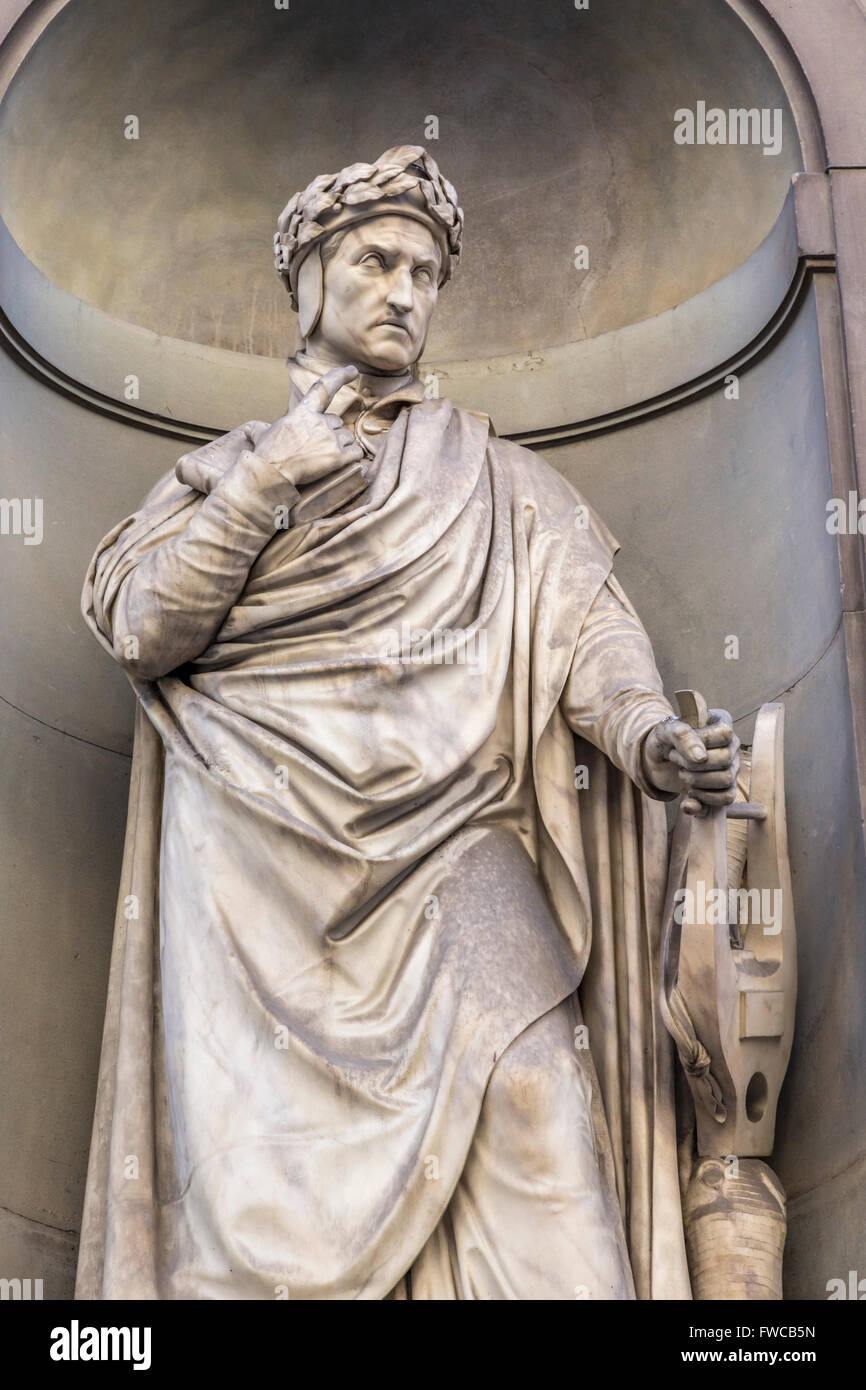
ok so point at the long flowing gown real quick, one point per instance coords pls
(387, 815)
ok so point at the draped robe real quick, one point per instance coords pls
(353, 875)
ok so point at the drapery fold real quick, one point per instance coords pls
(313, 975)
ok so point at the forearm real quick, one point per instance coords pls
(614, 693)
(171, 605)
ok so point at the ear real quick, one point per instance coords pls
(310, 292)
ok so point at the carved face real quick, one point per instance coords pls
(381, 287)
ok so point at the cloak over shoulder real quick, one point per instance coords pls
(355, 873)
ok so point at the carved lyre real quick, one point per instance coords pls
(728, 990)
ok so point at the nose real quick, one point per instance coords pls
(401, 292)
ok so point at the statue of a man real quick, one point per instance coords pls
(382, 1015)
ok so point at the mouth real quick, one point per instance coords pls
(395, 323)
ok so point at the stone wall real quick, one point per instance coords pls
(151, 258)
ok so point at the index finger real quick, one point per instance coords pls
(323, 391)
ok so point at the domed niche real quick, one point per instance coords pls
(555, 124)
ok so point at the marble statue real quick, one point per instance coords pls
(383, 1018)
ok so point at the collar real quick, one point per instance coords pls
(359, 395)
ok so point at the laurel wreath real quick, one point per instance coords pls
(400, 170)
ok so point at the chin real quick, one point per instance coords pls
(388, 361)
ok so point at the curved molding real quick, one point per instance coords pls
(193, 392)
(712, 380)
(601, 383)
(775, 43)
(20, 28)
(826, 57)
(27, 357)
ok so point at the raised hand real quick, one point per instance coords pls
(308, 443)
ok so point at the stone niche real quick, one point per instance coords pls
(148, 260)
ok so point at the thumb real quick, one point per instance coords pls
(323, 391)
(686, 741)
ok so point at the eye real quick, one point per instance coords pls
(373, 257)
(422, 272)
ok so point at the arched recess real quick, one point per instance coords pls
(820, 53)
(719, 504)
